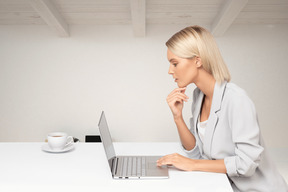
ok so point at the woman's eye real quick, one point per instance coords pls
(174, 64)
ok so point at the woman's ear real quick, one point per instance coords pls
(198, 62)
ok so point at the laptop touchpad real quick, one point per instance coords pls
(152, 165)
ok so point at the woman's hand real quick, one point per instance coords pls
(175, 101)
(178, 161)
(186, 164)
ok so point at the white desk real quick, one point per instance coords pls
(24, 167)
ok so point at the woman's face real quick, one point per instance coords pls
(184, 71)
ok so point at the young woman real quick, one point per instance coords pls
(224, 136)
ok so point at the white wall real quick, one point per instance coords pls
(49, 83)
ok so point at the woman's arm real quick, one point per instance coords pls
(187, 138)
(175, 101)
(187, 164)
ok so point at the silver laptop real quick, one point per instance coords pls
(129, 167)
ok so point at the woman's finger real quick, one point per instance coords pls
(177, 94)
(178, 161)
(180, 90)
(173, 99)
(166, 160)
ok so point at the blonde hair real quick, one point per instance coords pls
(197, 41)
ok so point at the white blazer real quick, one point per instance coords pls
(233, 134)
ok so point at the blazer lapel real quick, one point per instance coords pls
(213, 117)
(195, 113)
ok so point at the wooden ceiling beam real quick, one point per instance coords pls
(138, 15)
(227, 15)
(49, 13)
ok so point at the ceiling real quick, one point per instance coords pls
(219, 14)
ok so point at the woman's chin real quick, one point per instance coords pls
(181, 85)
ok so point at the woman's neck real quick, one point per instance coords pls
(206, 82)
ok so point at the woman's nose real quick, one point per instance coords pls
(170, 71)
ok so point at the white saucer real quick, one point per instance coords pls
(47, 148)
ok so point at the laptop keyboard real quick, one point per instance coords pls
(133, 167)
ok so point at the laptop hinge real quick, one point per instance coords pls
(114, 165)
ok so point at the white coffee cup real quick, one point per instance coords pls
(59, 140)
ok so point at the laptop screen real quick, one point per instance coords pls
(106, 139)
